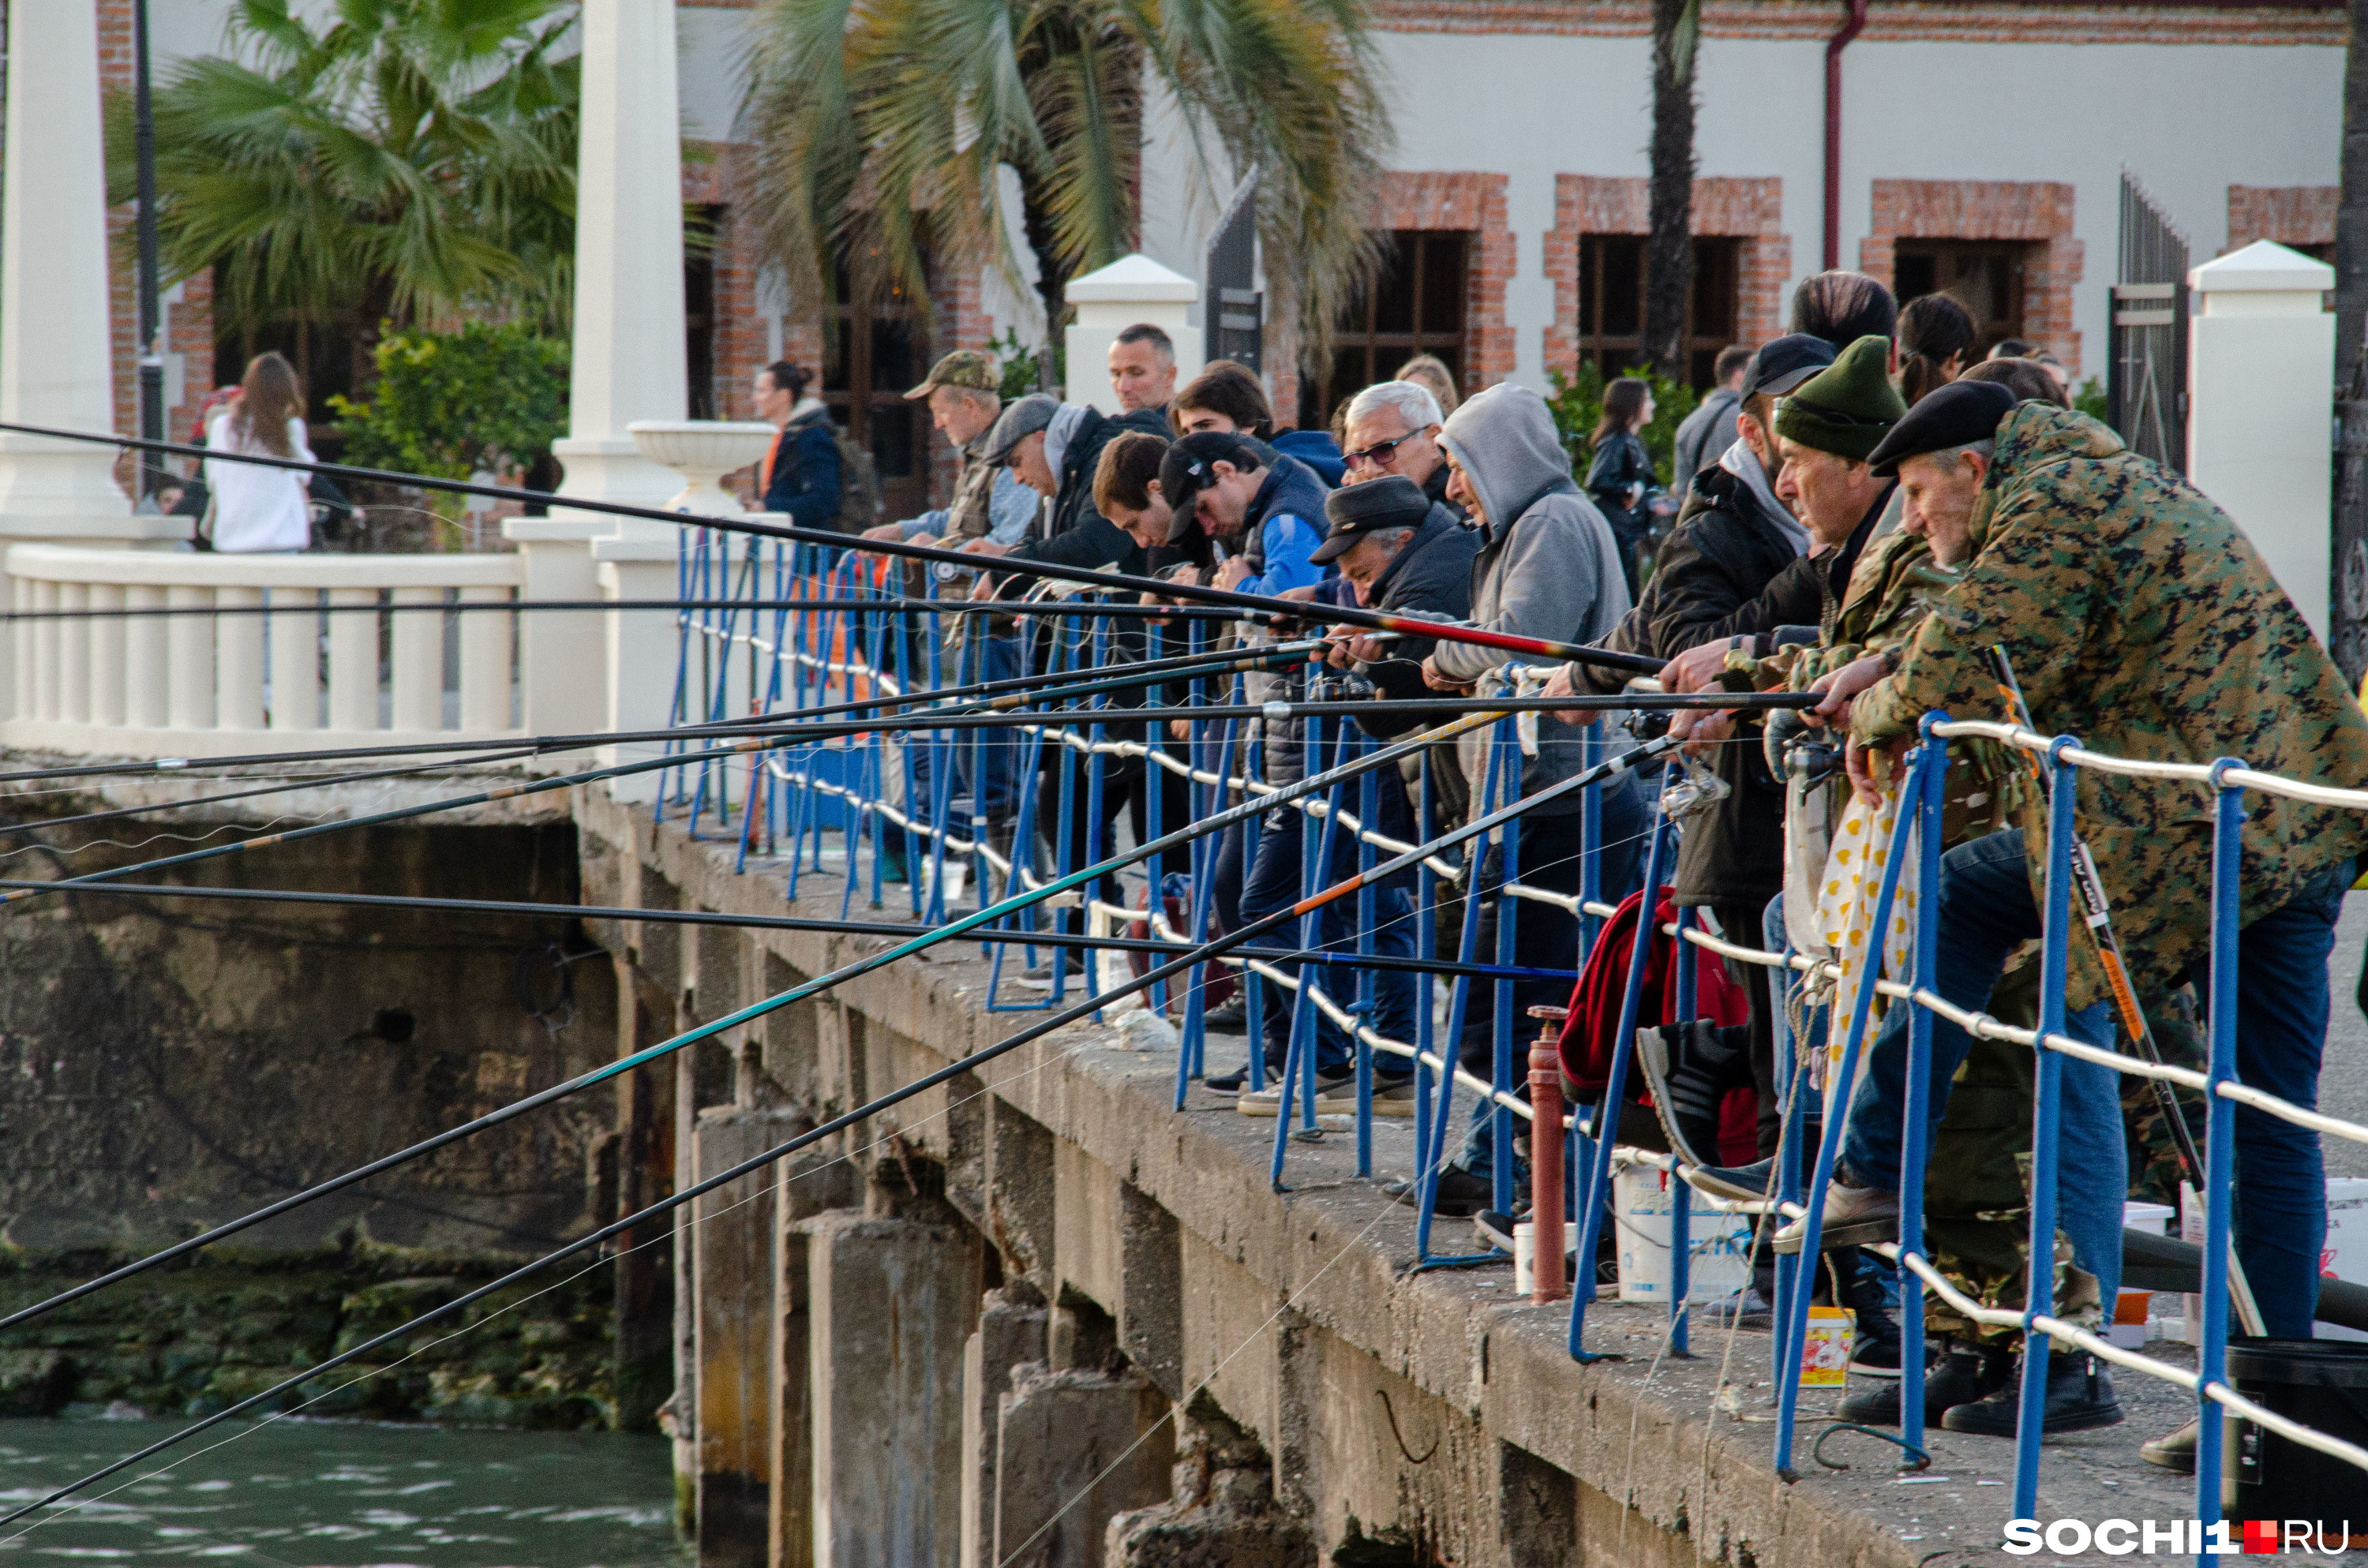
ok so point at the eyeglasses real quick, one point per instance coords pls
(1381, 454)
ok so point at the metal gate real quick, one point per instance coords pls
(1230, 302)
(2147, 382)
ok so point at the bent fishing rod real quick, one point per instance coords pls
(513, 607)
(1178, 670)
(1217, 948)
(1273, 611)
(953, 929)
(1006, 938)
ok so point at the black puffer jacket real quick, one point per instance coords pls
(1713, 571)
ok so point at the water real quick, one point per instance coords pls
(341, 1495)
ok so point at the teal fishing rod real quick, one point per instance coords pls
(953, 929)
(1217, 948)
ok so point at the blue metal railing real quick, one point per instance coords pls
(897, 810)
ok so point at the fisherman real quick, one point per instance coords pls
(2140, 618)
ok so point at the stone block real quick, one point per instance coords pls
(1076, 1448)
(808, 1184)
(1010, 1332)
(730, 1238)
(889, 1302)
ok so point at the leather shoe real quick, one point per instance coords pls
(1460, 1194)
(1959, 1377)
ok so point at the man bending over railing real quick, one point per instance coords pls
(2139, 617)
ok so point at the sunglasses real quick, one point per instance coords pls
(1381, 454)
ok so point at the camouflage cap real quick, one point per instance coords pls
(973, 367)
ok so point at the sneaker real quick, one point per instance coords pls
(2174, 1452)
(1231, 1018)
(1495, 1228)
(1740, 1184)
(2080, 1396)
(1854, 1217)
(1746, 1310)
(1041, 977)
(1336, 1092)
(1959, 1377)
(1669, 1055)
(1460, 1194)
(1875, 1349)
(1231, 1083)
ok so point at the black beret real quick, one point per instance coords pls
(1392, 501)
(1955, 415)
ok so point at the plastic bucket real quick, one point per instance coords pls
(2322, 1384)
(1719, 1244)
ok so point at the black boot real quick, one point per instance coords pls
(2080, 1396)
(1958, 1375)
(1875, 1350)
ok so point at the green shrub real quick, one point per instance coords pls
(485, 399)
(1577, 404)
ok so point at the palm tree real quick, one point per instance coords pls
(402, 160)
(2352, 217)
(1670, 250)
(881, 132)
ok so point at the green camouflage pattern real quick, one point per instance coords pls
(2140, 618)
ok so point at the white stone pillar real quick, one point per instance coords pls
(1130, 290)
(628, 357)
(2262, 363)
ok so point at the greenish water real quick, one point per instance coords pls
(341, 1495)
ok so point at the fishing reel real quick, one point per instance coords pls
(1648, 723)
(1799, 750)
(1341, 685)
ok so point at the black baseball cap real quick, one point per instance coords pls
(1392, 501)
(1784, 363)
(1187, 467)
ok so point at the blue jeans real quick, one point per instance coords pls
(2281, 1194)
(1545, 936)
(1273, 883)
(1986, 912)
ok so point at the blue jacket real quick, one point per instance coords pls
(1284, 524)
(805, 472)
(1317, 450)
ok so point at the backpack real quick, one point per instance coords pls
(858, 484)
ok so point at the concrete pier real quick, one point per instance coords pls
(1039, 1260)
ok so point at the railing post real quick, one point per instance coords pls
(2220, 1143)
(295, 659)
(353, 661)
(147, 663)
(1793, 1320)
(238, 653)
(2046, 1114)
(106, 634)
(1596, 1200)
(73, 655)
(1546, 1283)
(1928, 804)
(190, 698)
(1682, 1243)
(484, 662)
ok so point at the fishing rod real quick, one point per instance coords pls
(787, 923)
(511, 606)
(2096, 918)
(955, 928)
(1272, 610)
(1147, 672)
(1219, 948)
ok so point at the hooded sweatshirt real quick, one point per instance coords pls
(1547, 567)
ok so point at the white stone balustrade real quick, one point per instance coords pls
(200, 685)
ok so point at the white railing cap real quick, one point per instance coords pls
(207, 569)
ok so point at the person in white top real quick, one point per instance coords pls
(258, 508)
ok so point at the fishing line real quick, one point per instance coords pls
(1611, 768)
(811, 988)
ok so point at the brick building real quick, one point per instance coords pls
(1983, 148)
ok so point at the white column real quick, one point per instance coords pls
(56, 362)
(629, 349)
(2262, 358)
(1131, 289)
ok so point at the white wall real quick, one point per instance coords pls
(2189, 120)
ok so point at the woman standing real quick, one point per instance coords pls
(800, 473)
(1621, 479)
(256, 508)
(1936, 344)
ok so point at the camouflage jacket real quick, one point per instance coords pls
(2140, 618)
(1890, 590)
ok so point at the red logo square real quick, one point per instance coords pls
(2260, 1538)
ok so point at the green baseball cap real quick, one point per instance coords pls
(1847, 407)
(973, 367)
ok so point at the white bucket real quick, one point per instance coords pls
(1719, 1244)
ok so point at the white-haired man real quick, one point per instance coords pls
(1393, 428)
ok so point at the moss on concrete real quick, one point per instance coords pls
(194, 1339)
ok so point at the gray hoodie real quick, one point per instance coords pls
(1547, 568)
